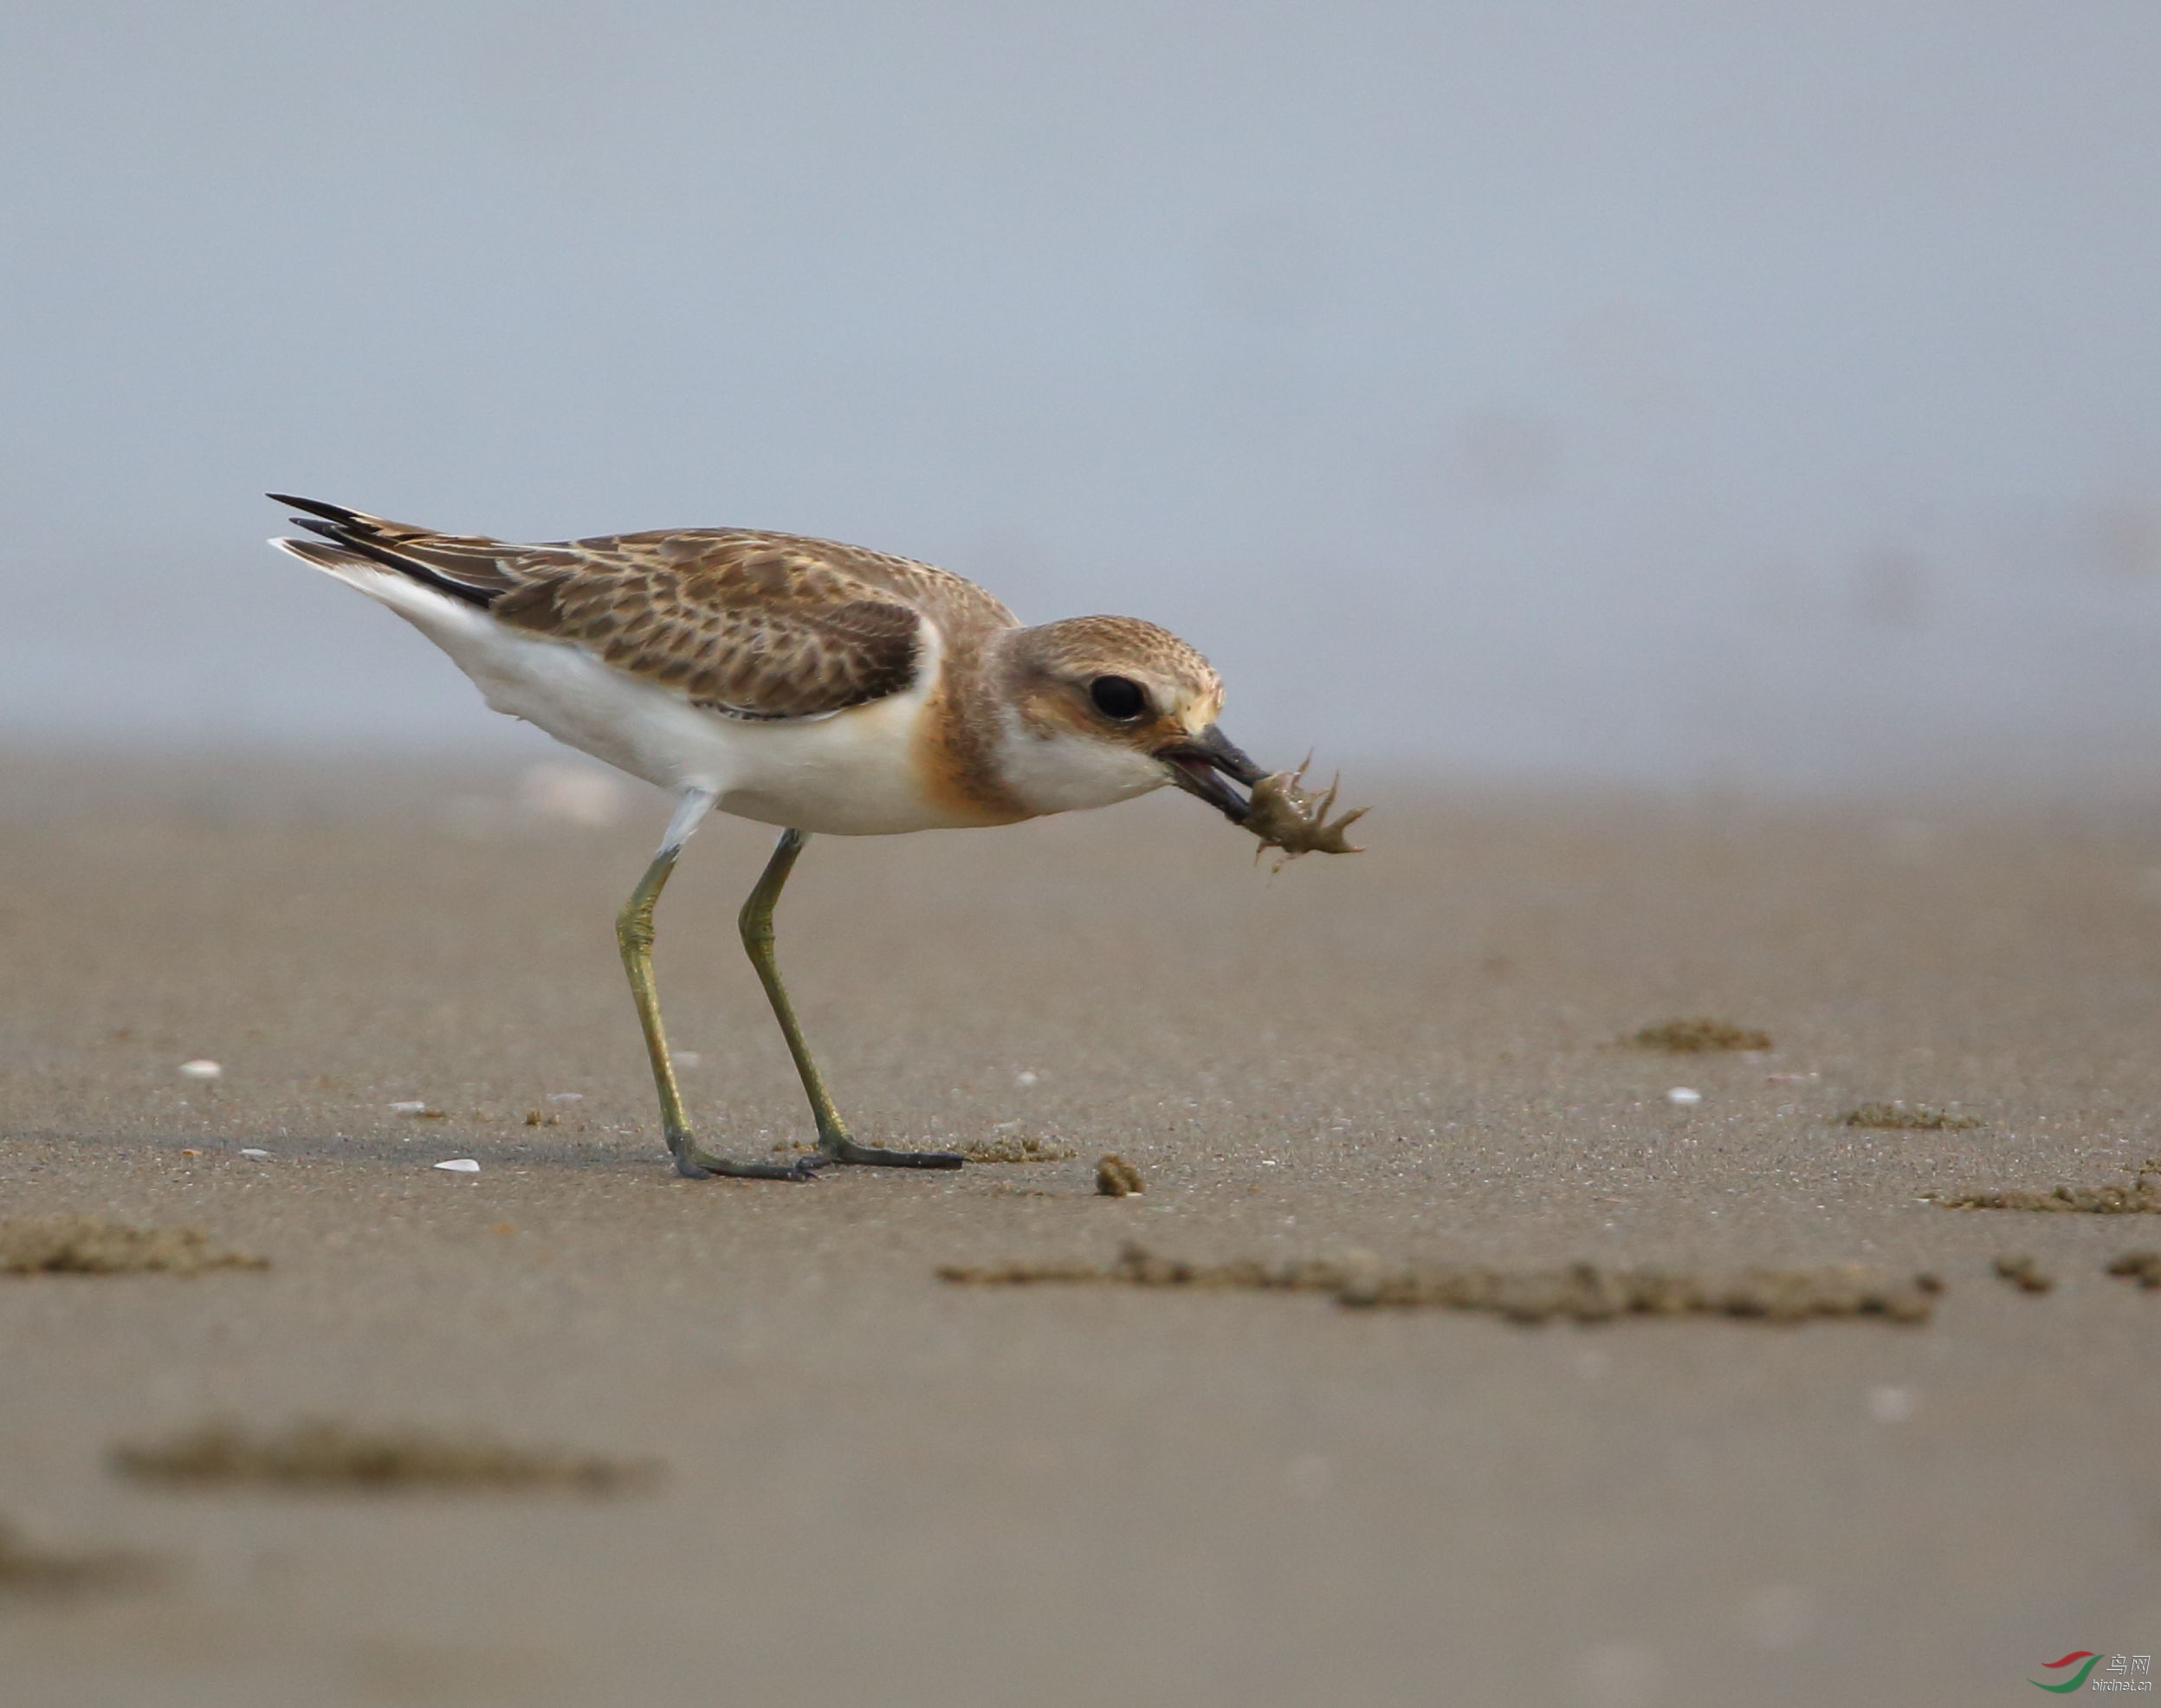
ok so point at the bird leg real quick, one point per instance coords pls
(833, 1143)
(634, 934)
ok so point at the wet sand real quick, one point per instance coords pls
(880, 1487)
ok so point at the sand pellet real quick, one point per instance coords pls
(86, 1246)
(2024, 1274)
(1689, 1036)
(1012, 1149)
(1582, 1292)
(27, 1570)
(334, 1455)
(1909, 1117)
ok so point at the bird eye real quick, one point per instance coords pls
(1119, 698)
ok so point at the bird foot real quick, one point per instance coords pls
(693, 1162)
(872, 1156)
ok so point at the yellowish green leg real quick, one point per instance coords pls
(634, 934)
(833, 1143)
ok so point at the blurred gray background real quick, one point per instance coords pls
(1674, 395)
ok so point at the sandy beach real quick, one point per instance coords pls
(878, 1486)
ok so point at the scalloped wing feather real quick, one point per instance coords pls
(739, 622)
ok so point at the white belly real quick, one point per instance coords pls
(844, 773)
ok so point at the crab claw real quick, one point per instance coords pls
(1283, 815)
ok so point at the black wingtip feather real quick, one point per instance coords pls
(315, 506)
(353, 538)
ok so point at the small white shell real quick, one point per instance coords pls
(567, 1096)
(1892, 1405)
(407, 1109)
(1684, 1094)
(249, 1150)
(460, 1165)
(202, 1069)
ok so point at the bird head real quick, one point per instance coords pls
(1102, 708)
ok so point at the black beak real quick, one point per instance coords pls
(1199, 763)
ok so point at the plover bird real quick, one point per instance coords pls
(821, 688)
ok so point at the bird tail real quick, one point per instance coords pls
(464, 567)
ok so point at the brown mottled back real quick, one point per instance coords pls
(745, 623)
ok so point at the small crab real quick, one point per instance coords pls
(1283, 815)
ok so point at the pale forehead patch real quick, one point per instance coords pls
(1199, 709)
